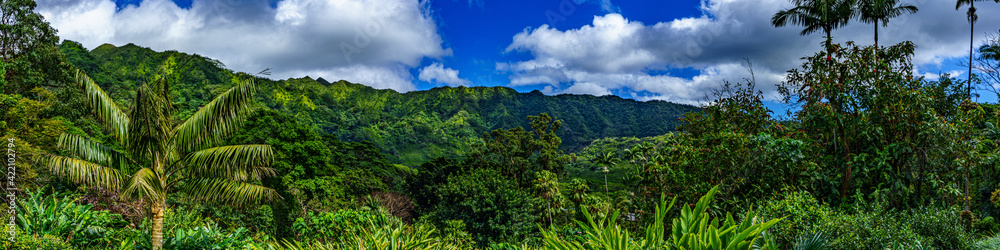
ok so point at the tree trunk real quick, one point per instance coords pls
(876, 33)
(972, 30)
(158, 209)
(829, 44)
(606, 193)
(548, 204)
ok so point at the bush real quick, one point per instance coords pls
(258, 219)
(391, 235)
(31, 242)
(989, 243)
(693, 229)
(867, 230)
(187, 234)
(806, 217)
(801, 210)
(940, 225)
(206, 237)
(338, 226)
(63, 219)
(987, 226)
(491, 205)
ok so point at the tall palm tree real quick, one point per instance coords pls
(816, 15)
(880, 11)
(162, 156)
(548, 186)
(972, 17)
(607, 161)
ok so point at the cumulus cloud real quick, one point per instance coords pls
(369, 41)
(615, 53)
(587, 88)
(438, 73)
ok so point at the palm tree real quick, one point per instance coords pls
(880, 11)
(607, 161)
(972, 17)
(548, 186)
(162, 156)
(816, 15)
(990, 52)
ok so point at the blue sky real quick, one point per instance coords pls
(480, 34)
(674, 50)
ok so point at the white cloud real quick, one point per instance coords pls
(615, 53)
(587, 88)
(438, 73)
(347, 38)
(395, 77)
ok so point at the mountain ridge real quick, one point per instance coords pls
(412, 127)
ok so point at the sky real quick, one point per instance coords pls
(672, 50)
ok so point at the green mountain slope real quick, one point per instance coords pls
(411, 127)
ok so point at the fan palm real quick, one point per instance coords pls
(972, 17)
(816, 15)
(162, 156)
(880, 11)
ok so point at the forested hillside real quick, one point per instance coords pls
(411, 127)
(129, 148)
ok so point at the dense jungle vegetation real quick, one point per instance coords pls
(129, 148)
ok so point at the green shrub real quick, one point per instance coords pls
(989, 243)
(47, 216)
(337, 226)
(940, 225)
(491, 205)
(876, 229)
(206, 237)
(693, 229)
(454, 234)
(391, 235)
(255, 220)
(26, 241)
(801, 212)
(987, 226)
(867, 230)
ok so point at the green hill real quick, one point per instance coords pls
(410, 127)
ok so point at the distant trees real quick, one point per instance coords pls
(518, 153)
(972, 17)
(880, 11)
(488, 190)
(988, 63)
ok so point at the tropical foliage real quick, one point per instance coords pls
(129, 148)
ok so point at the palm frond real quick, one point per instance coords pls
(815, 15)
(145, 184)
(106, 110)
(84, 172)
(149, 131)
(236, 162)
(216, 120)
(95, 152)
(228, 192)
